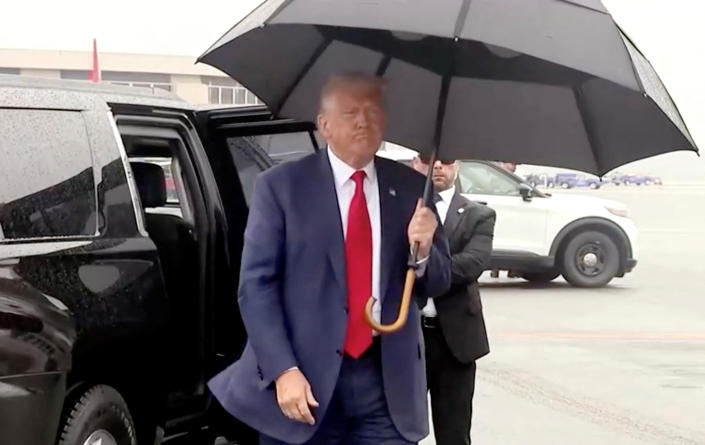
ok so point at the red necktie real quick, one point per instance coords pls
(358, 262)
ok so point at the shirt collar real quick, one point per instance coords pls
(342, 171)
(447, 195)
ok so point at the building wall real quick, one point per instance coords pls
(190, 88)
(32, 72)
(196, 83)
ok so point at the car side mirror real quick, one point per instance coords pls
(526, 192)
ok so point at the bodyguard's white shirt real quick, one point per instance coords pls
(442, 207)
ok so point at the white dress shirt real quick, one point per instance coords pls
(345, 189)
(442, 207)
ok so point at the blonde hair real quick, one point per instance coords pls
(354, 81)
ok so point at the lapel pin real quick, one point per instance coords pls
(392, 192)
(461, 210)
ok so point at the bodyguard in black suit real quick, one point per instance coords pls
(453, 325)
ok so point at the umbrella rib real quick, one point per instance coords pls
(623, 37)
(462, 18)
(213, 46)
(587, 125)
(383, 65)
(580, 5)
(440, 116)
(281, 7)
(307, 67)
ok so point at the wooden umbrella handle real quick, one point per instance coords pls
(403, 309)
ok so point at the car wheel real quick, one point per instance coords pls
(540, 277)
(99, 416)
(590, 259)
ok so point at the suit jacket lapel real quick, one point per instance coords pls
(454, 215)
(324, 183)
(389, 213)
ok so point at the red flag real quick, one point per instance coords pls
(95, 72)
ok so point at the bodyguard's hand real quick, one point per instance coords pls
(294, 396)
(422, 228)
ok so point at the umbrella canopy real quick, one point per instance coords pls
(547, 82)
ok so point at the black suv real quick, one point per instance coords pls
(122, 213)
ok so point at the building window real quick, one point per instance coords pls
(160, 85)
(143, 80)
(231, 95)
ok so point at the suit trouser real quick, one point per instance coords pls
(452, 385)
(358, 413)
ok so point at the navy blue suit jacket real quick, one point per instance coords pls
(292, 297)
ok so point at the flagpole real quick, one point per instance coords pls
(95, 72)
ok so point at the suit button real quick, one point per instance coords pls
(345, 309)
(339, 352)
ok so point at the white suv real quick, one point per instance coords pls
(539, 236)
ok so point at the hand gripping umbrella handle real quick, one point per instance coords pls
(405, 300)
(410, 272)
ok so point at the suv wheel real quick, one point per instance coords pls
(540, 277)
(98, 416)
(590, 259)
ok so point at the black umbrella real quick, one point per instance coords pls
(547, 82)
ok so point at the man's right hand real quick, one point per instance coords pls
(295, 397)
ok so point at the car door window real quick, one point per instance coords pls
(245, 160)
(254, 154)
(47, 188)
(482, 179)
(283, 147)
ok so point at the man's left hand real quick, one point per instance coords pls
(422, 228)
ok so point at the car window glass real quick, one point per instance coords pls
(249, 153)
(47, 187)
(172, 196)
(165, 163)
(283, 147)
(242, 151)
(482, 179)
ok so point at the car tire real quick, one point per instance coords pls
(98, 415)
(590, 259)
(541, 277)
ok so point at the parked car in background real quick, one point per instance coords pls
(543, 180)
(538, 236)
(619, 179)
(592, 182)
(566, 180)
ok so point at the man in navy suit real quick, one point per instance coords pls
(324, 234)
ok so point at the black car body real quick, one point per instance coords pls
(113, 292)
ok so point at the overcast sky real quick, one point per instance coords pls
(671, 33)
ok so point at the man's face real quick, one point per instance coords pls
(443, 175)
(509, 166)
(353, 122)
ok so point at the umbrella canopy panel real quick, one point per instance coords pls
(550, 82)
